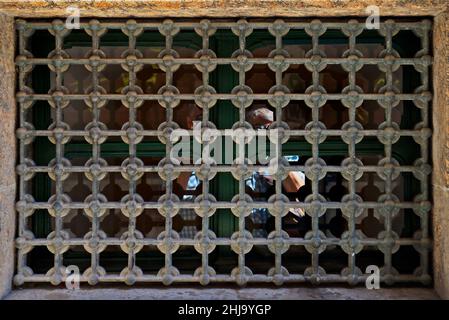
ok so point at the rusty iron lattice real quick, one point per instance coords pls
(241, 242)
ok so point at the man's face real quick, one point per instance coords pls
(260, 117)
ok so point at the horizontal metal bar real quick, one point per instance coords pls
(221, 61)
(224, 96)
(226, 24)
(226, 205)
(221, 132)
(328, 241)
(213, 168)
(257, 278)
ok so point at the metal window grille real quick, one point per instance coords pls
(205, 241)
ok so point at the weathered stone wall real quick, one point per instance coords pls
(440, 154)
(7, 153)
(220, 8)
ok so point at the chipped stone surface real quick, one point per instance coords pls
(179, 293)
(220, 8)
(440, 155)
(7, 153)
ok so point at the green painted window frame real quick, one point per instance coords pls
(224, 114)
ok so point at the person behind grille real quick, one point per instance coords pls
(262, 186)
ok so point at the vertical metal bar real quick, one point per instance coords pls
(388, 30)
(168, 29)
(422, 164)
(60, 200)
(315, 29)
(132, 271)
(95, 211)
(351, 211)
(23, 33)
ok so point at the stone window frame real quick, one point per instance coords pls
(438, 10)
